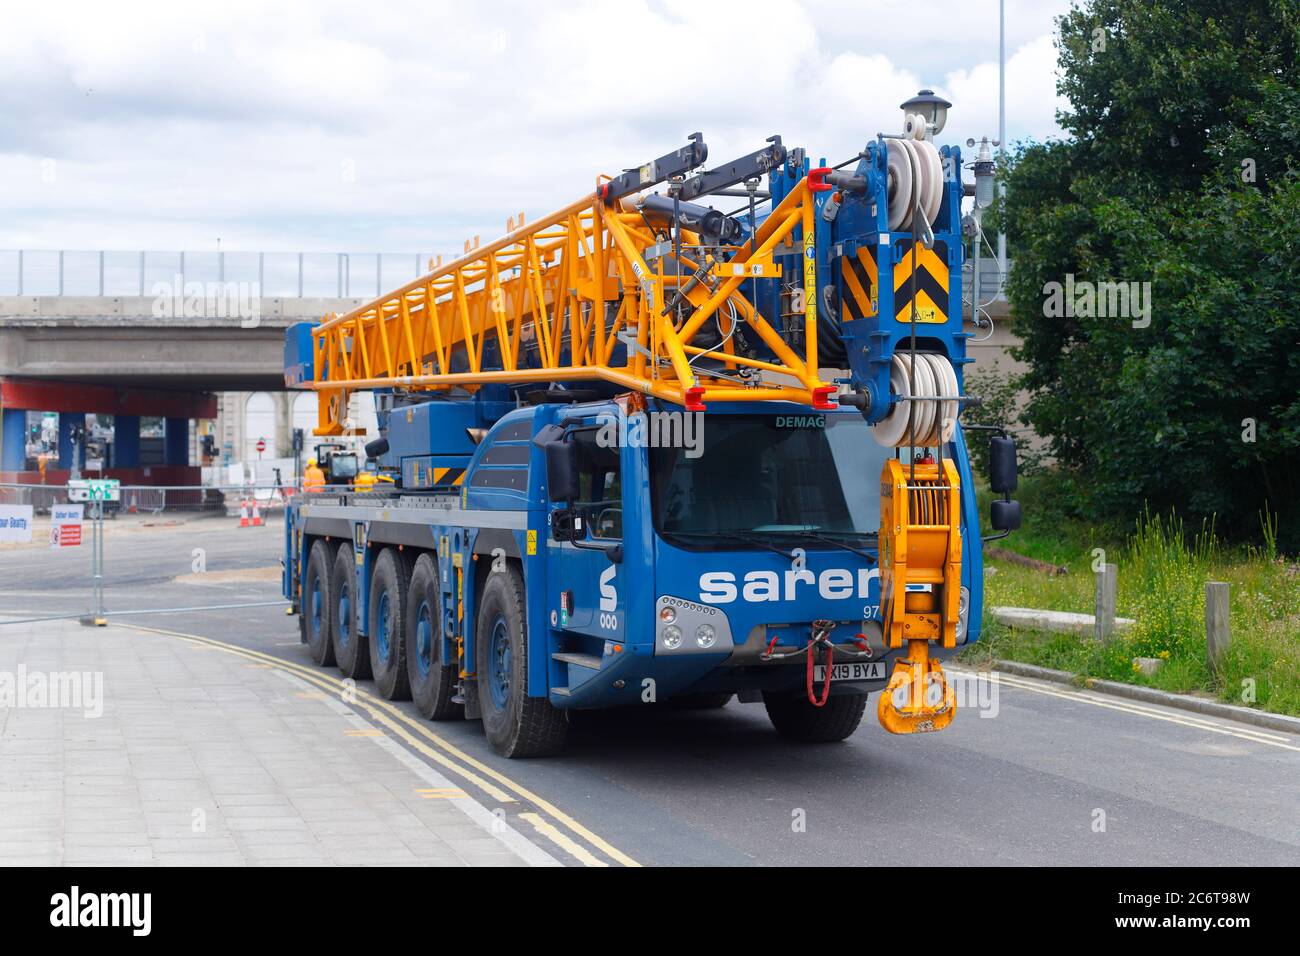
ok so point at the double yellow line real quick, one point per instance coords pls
(421, 738)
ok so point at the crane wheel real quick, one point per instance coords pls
(516, 725)
(350, 651)
(432, 680)
(316, 603)
(386, 630)
(794, 717)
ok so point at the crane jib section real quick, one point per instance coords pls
(592, 292)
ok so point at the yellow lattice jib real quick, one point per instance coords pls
(552, 301)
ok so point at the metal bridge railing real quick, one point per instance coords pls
(47, 272)
(51, 272)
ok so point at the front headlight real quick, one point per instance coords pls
(672, 637)
(704, 635)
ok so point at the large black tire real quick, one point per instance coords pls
(314, 615)
(432, 681)
(794, 717)
(516, 725)
(385, 628)
(350, 650)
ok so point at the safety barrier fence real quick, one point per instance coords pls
(140, 556)
(155, 500)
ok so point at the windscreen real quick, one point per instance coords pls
(771, 473)
(343, 466)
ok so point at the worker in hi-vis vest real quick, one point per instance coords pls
(313, 478)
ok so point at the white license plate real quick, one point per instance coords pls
(856, 670)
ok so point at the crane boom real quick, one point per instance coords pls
(593, 291)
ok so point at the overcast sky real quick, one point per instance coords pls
(346, 126)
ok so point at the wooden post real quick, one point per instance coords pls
(1104, 621)
(1217, 632)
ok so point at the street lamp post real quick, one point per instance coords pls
(1002, 130)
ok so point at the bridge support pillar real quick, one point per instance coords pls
(176, 442)
(126, 441)
(283, 424)
(68, 421)
(13, 440)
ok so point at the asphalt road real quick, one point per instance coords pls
(1056, 777)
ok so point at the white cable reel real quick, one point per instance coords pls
(924, 424)
(916, 172)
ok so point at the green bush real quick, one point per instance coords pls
(1178, 170)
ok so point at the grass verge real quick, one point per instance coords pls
(1163, 568)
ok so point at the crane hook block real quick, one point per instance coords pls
(920, 589)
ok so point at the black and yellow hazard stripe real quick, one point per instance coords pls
(424, 475)
(931, 285)
(860, 283)
(448, 476)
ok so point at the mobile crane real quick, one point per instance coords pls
(619, 477)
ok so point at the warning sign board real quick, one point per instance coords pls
(65, 536)
(65, 525)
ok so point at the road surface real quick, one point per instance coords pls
(1055, 776)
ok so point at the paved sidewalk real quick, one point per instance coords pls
(200, 757)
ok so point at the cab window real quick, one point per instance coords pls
(600, 485)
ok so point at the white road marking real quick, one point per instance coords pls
(1197, 722)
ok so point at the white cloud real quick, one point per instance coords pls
(322, 124)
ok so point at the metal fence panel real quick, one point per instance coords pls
(154, 500)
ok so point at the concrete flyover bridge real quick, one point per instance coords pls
(174, 346)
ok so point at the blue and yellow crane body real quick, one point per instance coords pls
(619, 477)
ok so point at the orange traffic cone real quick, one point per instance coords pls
(257, 515)
(243, 513)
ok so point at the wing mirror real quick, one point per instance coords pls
(561, 470)
(1002, 464)
(1004, 515)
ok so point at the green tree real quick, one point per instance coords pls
(1178, 170)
